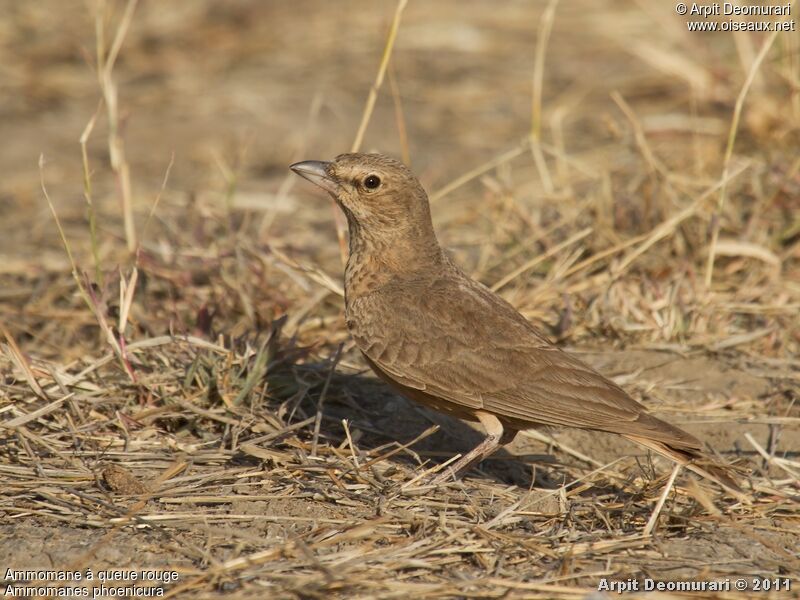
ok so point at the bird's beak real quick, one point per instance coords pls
(316, 171)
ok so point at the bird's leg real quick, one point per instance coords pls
(496, 436)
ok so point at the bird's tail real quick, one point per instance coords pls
(698, 462)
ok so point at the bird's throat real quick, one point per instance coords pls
(374, 263)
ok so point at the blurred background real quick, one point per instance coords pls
(633, 113)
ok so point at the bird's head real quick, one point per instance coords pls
(379, 195)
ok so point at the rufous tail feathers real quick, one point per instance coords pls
(696, 462)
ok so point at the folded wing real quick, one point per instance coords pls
(480, 352)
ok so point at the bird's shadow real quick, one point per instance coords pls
(377, 416)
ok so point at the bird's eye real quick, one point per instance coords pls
(372, 182)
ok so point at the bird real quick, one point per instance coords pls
(448, 342)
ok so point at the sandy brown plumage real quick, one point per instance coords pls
(449, 342)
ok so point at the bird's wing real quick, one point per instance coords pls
(455, 339)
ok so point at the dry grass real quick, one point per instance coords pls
(185, 393)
